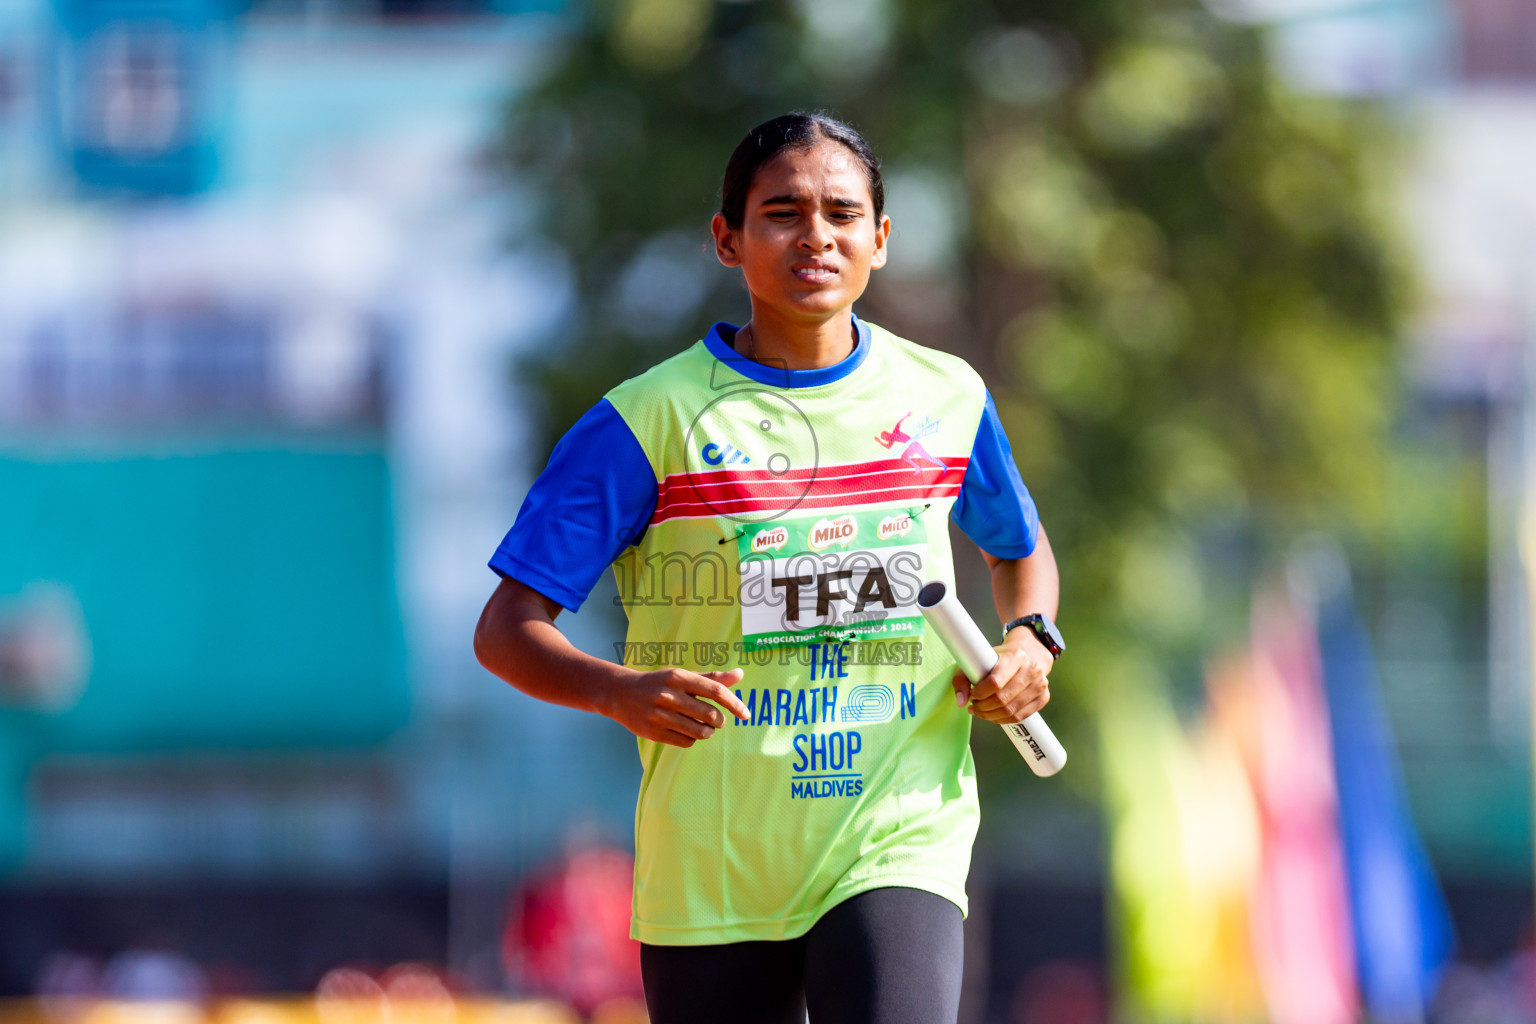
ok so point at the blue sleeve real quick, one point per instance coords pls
(994, 508)
(594, 499)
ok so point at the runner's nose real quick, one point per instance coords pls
(818, 236)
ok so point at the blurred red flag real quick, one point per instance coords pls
(1301, 931)
(568, 930)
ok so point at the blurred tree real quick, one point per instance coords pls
(1177, 275)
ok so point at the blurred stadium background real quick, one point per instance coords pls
(295, 294)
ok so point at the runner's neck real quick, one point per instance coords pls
(797, 346)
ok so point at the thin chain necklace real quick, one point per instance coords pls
(746, 343)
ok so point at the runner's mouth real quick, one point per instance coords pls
(814, 273)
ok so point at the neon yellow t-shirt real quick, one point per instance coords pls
(793, 528)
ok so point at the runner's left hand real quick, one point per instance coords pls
(1016, 687)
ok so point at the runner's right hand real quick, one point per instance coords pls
(666, 705)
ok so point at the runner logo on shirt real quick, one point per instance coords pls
(913, 453)
(844, 577)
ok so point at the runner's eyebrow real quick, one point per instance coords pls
(797, 199)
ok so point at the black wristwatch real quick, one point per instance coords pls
(1044, 629)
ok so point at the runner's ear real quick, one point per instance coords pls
(725, 241)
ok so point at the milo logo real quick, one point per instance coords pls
(894, 526)
(770, 540)
(829, 532)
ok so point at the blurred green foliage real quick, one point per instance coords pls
(1178, 276)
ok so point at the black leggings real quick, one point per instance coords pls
(887, 956)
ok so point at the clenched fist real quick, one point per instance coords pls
(1016, 687)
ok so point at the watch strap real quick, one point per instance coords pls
(1040, 626)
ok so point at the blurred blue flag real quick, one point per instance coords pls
(1403, 933)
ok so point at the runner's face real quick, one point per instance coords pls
(809, 236)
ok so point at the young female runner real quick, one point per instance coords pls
(770, 500)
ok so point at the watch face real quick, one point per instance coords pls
(1054, 633)
(1049, 635)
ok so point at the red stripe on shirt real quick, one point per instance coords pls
(738, 492)
(702, 510)
(814, 472)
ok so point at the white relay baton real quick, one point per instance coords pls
(1039, 747)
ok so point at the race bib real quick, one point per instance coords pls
(833, 577)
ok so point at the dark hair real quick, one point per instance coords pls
(791, 131)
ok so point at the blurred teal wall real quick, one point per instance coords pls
(237, 598)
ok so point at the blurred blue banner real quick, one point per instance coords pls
(138, 85)
(1402, 929)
